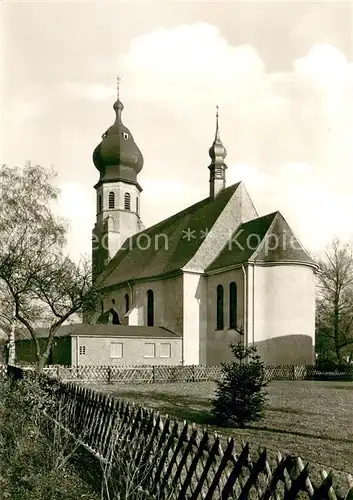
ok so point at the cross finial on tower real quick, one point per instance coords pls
(217, 129)
(118, 79)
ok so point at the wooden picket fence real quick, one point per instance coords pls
(170, 460)
(193, 373)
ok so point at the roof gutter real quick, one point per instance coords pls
(122, 284)
(263, 264)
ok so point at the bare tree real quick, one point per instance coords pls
(45, 287)
(334, 320)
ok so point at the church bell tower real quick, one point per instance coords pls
(119, 161)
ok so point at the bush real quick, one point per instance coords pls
(240, 396)
(34, 466)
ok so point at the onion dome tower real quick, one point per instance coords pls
(117, 157)
(217, 166)
(119, 161)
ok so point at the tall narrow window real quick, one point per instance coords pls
(150, 308)
(127, 303)
(233, 298)
(220, 319)
(137, 206)
(99, 203)
(127, 201)
(111, 199)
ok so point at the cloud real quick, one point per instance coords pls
(76, 204)
(164, 189)
(288, 134)
(292, 129)
(326, 65)
(190, 62)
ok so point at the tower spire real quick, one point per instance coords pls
(217, 167)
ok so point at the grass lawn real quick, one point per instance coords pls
(311, 419)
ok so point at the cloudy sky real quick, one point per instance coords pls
(281, 72)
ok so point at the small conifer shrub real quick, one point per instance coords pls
(240, 395)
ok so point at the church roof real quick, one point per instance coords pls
(167, 246)
(265, 239)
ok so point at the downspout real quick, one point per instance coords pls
(253, 304)
(132, 300)
(77, 351)
(245, 306)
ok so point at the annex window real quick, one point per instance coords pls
(127, 201)
(99, 203)
(220, 316)
(165, 350)
(82, 350)
(127, 303)
(150, 308)
(150, 350)
(233, 297)
(116, 350)
(111, 199)
(137, 206)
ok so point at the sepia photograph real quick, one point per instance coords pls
(176, 254)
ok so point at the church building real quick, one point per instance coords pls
(210, 274)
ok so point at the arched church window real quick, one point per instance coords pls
(220, 315)
(99, 203)
(111, 200)
(127, 201)
(150, 308)
(115, 318)
(233, 305)
(127, 303)
(125, 135)
(137, 206)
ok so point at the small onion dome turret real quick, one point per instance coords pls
(217, 151)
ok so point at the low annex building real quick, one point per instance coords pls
(104, 345)
(211, 273)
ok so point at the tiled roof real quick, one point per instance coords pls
(265, 239)
(134, 262)
(99, 330)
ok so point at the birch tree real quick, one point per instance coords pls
(44, 285)
(334, 319)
